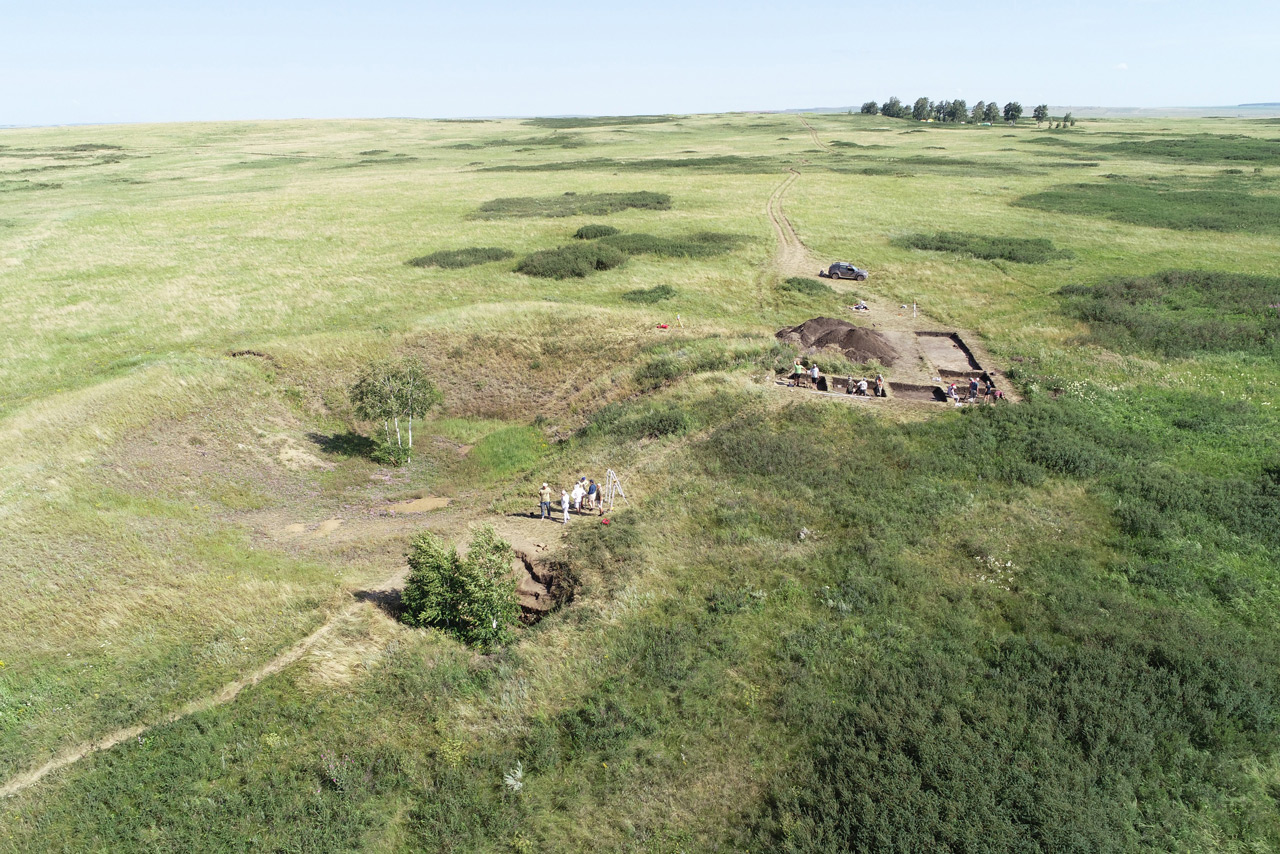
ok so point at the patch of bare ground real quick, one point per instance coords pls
(857, 344)
(555, 366)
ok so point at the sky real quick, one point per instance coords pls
(71, 62)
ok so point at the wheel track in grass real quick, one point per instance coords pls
(792, 256)
(813, 133)
(226, 694)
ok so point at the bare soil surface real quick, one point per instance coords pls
(945, 353)
(420, 505)
(857, 343)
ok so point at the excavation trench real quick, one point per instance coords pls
(542, 585)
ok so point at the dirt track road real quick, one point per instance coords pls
(792, 257)
(813, 133)
(226, 694)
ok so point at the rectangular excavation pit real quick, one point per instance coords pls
(908, 391)
(946, 351)
(965, 375)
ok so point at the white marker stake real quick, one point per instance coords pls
(680, 321)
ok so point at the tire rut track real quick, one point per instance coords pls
(813, 133)
(792, 256)
(224, 695)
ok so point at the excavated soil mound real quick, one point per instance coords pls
(858, 343)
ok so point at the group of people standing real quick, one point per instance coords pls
(585, 491)
(861, 387)
(988, 391)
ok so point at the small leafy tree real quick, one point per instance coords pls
(920, 109)
(894, 108)
(992, 113)
(979, 110)
(1012, 112)
(957, 110)
(393, 389)
(870, 108)
(472, 598)
(1069, 119)
(1040, 113)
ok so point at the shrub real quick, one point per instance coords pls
(452, 259)
(731, 164)
(594, 231)
(704, 244)
(1020, 249)
(1164, 204)
(658, 373)
(573, 204)
(1181, 312)
(656, 422)
(806, 287)
(560, 123)
(390, 454)
(650, 295)
(472, 598)
(571, 262)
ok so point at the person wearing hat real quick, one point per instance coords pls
(544, 499)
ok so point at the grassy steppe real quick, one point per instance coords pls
(1045, 627)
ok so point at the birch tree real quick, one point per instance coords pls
(390, 391)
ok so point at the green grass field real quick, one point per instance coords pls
(1046, 626)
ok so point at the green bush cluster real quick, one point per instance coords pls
(472, 598)
(1024, 250)
(1025, 745)
(562, 122)
(703, 244)
(655, 294)
(1184, 148)
(1164, 204)
(571, 262)
(726, 164)
(573, 204)
(453, 259)
(390, 454)
(1181, 313)
(594, 231)
(1049, 731)
(556, 140)
(651, 422)
(805, 286)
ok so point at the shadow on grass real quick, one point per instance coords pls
(346, 444)
(387, 601)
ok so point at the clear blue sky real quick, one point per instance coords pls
(69, 61)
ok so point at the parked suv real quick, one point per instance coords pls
(845, 270)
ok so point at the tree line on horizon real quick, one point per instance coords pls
(958, 111)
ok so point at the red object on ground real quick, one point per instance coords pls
(663, 326)
(604, 521)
